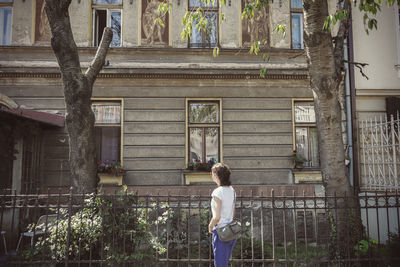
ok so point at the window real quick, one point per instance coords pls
(5, 21)
(203, 130)
(306, 135)
(107, 13)
(296, 13)
(108, 130)
(209, 37)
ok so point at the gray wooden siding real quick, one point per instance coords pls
(257, 126)
(54, 169)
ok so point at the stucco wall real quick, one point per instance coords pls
(280, 14)
(230, 27)
(378, 49)
(81, 22)
(22, 18)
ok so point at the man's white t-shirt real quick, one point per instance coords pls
(227, 195)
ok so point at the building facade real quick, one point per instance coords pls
(377, 100)
(164, 104)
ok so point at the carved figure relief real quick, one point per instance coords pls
(152, 32)
(257, 28)
(42, 27)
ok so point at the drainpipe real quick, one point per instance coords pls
(348, 112)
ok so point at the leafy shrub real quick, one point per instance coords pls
(112, 228)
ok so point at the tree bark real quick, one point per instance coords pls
(77, 93)
(325, 62)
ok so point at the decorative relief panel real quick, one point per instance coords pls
(257, 28)
(153, 34)
(42, 26)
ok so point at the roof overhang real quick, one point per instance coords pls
(38, 116)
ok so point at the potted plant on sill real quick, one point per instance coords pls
(298, 160)
(110, 172)
(201, 166)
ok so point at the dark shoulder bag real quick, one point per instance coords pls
(232, 230)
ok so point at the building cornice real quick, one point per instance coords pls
(163, 76)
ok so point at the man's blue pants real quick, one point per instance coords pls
(222, 250)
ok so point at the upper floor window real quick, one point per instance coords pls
(107, 13)
(204, 129)
(209, 37)
(108, 130)
(306, 134)
(5, 21)
(296, 13)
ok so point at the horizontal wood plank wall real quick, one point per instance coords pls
(257, 127)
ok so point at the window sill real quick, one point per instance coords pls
(193, 177)
(307, 175)
(106, 178)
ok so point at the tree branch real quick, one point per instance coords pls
(360, 66)
(100, 57)
(341, 35)
(62, 40)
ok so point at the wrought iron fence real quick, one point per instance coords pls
(380, 153)
(125, 229)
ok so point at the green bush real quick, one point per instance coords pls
(112, 228)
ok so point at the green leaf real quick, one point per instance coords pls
(263, 72)
(216, 51)
(265, 57)
(280, 29)
(160, 22)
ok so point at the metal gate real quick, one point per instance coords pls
(380, 153)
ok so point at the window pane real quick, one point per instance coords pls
(196, 144)
(314, 146)
(5, 26)
(297, 31)
(212, 144)
(100, 22)
(116, 28)
(107, 112)
(194, 3)
(203, 113)
(211, 30)
(107, 2)
(304, 112)
(108, 143)
(296, 3)
(197, 3)
(302, 143)
(196, 37)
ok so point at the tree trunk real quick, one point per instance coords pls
(325, 62)
(77, 93)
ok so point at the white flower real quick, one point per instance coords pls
(247, 224)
